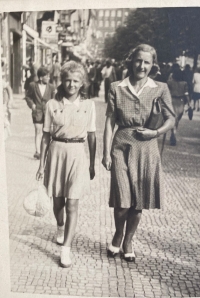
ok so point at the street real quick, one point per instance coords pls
(166, 242)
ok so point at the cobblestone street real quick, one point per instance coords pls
(166, 243)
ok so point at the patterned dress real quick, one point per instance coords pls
(136, 172)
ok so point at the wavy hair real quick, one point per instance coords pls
(71, 67)
(145, 48)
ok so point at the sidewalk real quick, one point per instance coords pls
(166, 243)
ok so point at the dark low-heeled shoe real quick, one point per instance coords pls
(129, 257)
(112, 251)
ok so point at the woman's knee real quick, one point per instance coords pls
(71, 206)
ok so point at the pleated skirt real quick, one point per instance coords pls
(66, 170)
(136, 172)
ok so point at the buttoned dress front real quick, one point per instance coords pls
(136, 172)
(67, 168)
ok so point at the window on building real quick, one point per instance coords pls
(100, 23)
(113, 13)
(107, 13)
(113, 24)
(119, 23)
(119, 13)
(126, 13)
(106, 34)
(101, 12)
(107, 24)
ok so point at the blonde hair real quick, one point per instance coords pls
(145, 48)
(71, 67)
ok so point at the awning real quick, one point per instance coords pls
(46, 45)
(30, 31)
(17, 31)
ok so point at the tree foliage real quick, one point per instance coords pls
(170, 30)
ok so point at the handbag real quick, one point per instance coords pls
(190, 113)
(155, 119)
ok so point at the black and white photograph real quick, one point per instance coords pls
(100, 149)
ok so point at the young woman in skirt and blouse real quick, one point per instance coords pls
(69, 121)
(134, 159)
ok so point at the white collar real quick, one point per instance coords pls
(67, 102)
(126, 83)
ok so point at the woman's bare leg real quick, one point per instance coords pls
(38, 136)
(120, 216)
(71, 221)
(58, 209)
(132, 222)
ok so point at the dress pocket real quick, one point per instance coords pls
(58, 117)
(80, 118)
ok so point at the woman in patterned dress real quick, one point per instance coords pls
(134, 158)
(69, 121)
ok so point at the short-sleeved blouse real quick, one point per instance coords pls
(133, 109)
(70, 120)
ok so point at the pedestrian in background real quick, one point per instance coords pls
(98, 79)
(134, 159)
(196, 89)
(180, 96)
(188, 77)
(31, 74)
(109, 76)
(91, 78)
(37, 96)
(55, 72)
(69, 121)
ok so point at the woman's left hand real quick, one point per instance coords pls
(92, 172)
(146, 134)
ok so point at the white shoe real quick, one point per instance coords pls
(65, 260)
(60, 234)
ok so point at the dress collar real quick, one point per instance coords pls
(126, 83)
(67, 102)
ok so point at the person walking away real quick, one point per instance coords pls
(180, 96)
(196, 90)
(133, 157)
(98, 79)
(56, 73)
(91, 77)
(109, 76)
(188, 77)
(69, 121)
(37, 96)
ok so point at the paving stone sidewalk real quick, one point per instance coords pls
(166, 243)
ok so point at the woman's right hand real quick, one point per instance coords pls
(107, 162)
(40, 174)
(33, 107)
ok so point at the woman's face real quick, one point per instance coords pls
(142, 64)
(72, 83)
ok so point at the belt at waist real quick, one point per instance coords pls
(65, 140)
(129, 127)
